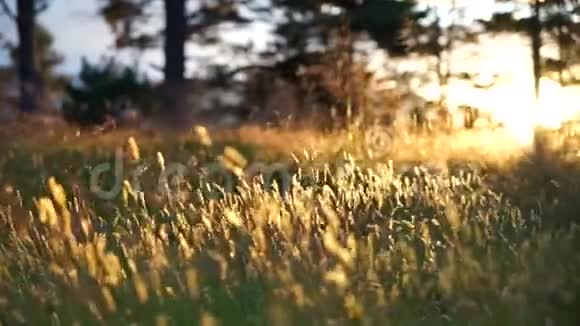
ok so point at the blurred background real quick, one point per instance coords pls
(434, 64)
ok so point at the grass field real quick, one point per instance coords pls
(278, 227)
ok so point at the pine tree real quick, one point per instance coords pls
(31, 85)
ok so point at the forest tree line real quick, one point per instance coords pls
(307, 32)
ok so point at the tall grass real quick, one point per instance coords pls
(342, 241)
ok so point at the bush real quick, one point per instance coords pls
(103, 90)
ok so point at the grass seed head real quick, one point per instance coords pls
(207, 319)
(161, 161)
(133, 149)
(202, 135)
(46, 211)
(108, 298)
(57, 192)
(141, 289)
(191, 278)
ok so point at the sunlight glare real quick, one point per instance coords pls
(513, 103)
(549, 111)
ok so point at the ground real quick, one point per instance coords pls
(278, 226)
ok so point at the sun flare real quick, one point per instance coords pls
(553, 107)
(512, 102)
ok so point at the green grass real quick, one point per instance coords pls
(353, 239)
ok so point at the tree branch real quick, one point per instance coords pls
(7, 10)
(41, 6)
(241, 69)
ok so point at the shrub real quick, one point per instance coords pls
(105, 89)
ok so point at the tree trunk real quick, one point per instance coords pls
(536, 38)
(30, 86)
(175, 36)
(561, 30)
(442, 74)
(174, 93)
(449, 47)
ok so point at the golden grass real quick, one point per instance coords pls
(354, 238)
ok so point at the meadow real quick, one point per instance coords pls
(281, 227)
